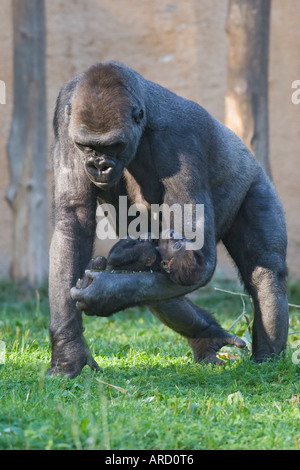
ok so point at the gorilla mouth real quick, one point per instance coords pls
(104, 173)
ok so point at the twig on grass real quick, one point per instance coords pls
(240, 316)
(243, 314)
(232, 293)
(247, 295)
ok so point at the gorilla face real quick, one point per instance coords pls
(106, 155)
(106, 125)
(103, 164)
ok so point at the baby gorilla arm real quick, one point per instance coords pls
(133, 255)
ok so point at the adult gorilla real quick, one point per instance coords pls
(118, 134)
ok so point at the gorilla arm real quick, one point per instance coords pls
(111, 292)
(70, 251)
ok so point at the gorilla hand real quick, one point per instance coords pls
(109, 292)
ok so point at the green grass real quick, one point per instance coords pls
(150, 394)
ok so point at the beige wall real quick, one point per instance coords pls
(180, 44)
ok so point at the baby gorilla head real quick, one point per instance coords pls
(181, 265)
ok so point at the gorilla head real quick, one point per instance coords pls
(181, 265)
(106, 123)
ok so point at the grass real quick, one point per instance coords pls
(150, 394)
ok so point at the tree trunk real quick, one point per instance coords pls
(27, 145)
(246, 102)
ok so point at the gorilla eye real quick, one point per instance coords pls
(114, 149)
(90, 149)
(85, 148)
(137, 115)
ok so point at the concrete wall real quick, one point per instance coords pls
(182, 45)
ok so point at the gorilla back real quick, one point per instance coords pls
(118, 134)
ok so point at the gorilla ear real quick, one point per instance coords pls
(137, 114)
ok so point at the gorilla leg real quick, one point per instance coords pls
(257, 243)
(202, 331)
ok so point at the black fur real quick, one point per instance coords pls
(124, 135)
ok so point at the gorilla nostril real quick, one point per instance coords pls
(97, 164)
(104, 167)
(91, 168)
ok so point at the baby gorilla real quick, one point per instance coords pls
(171, 257)
(182, 267)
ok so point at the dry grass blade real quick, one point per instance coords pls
(120, 389)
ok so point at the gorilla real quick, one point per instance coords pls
(119, 134)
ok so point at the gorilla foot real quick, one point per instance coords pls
(266, 356)
(70, 370)
(71, 360)
(206, 346)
